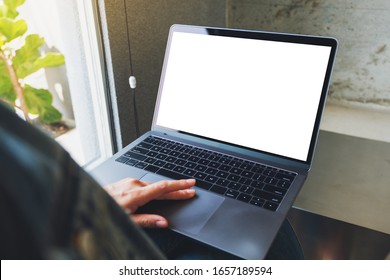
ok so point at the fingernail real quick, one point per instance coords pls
(161, 224)
(190, 191)
(190, 180)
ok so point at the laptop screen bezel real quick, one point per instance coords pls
(257, 35)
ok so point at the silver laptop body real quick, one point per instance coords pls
(253, 99)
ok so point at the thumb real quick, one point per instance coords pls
(150, 220)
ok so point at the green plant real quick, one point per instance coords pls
(16, 63)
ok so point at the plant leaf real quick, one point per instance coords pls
(28, 60)
(6, 12)
(3, 11)
(6, 89)
(39, 101)
(11, 29)
(13, 4)
(49, 60)
(26, 56)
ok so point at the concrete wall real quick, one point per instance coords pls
(362, 28)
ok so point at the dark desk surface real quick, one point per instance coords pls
(349, 181)
(327, 238)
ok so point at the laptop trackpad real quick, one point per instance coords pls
(184, 215)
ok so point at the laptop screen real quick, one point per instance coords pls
(255, 93)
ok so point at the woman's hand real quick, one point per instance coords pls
(131, 194)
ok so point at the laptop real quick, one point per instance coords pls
(239, 111)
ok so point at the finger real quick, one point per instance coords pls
(123, 185)
(161, 188)
(150, 220)
(178, 195)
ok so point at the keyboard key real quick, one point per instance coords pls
(204, 161)
(141, 165)
(257, 185)
(189, 172)
(150, 160)
(193, 159)
(161, 156)
(257, 169)
(200, 175)
(184, 156)
(214, 164)
(169, 166)
(267, 196)
(180, 162)
(245, 181)
(152, 168)
(194, 152)
(179, 169)
(285, 177)
(131, 162)
(257, 202)
(135, 156)
(223, 182)
(236, 171)
(283, 184)
(211, 179)
(225, 160)
(200, 167)
(259, 177)
(247, 174)
(174, 154)
(235, 186)
(275, 190)
(165, 151)
(214, 157)
(211, 171)
(271, 181)
(244, 197)
(190, 165)
(232, 193)
(155, 148)
(160, 163)
(122, 159)
(246, 189)
(152, 154)
(235, 163)
(222, 174)
(270, 206)
(233, 177)
(224, 168)
(269, 173)
(139, 150)
(150, 139)
(170, 159)
(203, 155)
(246, 166)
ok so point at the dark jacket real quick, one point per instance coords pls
(50, 208)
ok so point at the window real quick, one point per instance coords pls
(78, 87)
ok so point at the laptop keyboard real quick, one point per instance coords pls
(254, 183)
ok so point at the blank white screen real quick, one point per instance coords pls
(258, 94)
